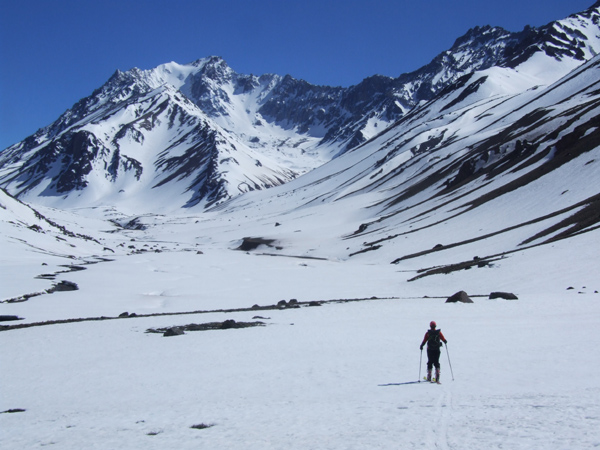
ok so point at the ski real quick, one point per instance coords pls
(433, 380)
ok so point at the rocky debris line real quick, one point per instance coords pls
(134, 315)
(12, 411)
(62, 285)
(585, 219)
(61, 228)
(290, 304)
(225, 325)
(23, 298)
(293, 303)
(449, 268)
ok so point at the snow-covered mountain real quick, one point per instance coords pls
(467, 181)
(199, 134)
(478, 173)
(136, 134)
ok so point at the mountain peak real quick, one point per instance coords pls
(216, 68)
(212, 60)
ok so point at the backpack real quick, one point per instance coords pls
(434, 339)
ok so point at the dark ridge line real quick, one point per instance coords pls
(413, 161)
(318, 258)
(582, 204)
(437, 176)
(561, 158)
(413, 218)
(448, 268)
(467, 241)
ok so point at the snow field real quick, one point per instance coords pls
(327, 377)
(310, 379)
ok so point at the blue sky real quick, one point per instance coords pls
(55, 52)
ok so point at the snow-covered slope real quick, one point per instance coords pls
(489, 182)
(466, 181)
(160, 146)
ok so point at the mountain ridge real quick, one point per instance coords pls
(225, 133)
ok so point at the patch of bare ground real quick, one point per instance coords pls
(225, 325)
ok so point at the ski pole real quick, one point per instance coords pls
(450, 364)
(420, 359)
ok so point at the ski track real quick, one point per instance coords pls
(517, 422)
(441, 426)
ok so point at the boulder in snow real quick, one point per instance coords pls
(63, 286)
(229, 323)
(461, 297)
(174, 331)
(504, 295)
(4, 318)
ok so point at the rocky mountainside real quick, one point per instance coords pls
(199, 134)
(485, 170)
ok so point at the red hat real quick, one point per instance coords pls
(432, 324)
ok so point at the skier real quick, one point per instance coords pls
(433, 338)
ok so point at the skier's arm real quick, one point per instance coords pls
(424, 340)
(443, 338)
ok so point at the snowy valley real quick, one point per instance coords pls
(331, 224)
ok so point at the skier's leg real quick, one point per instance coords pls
(436, 363)
(430, 362)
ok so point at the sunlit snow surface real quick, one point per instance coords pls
(524, 372)
(323, 377)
